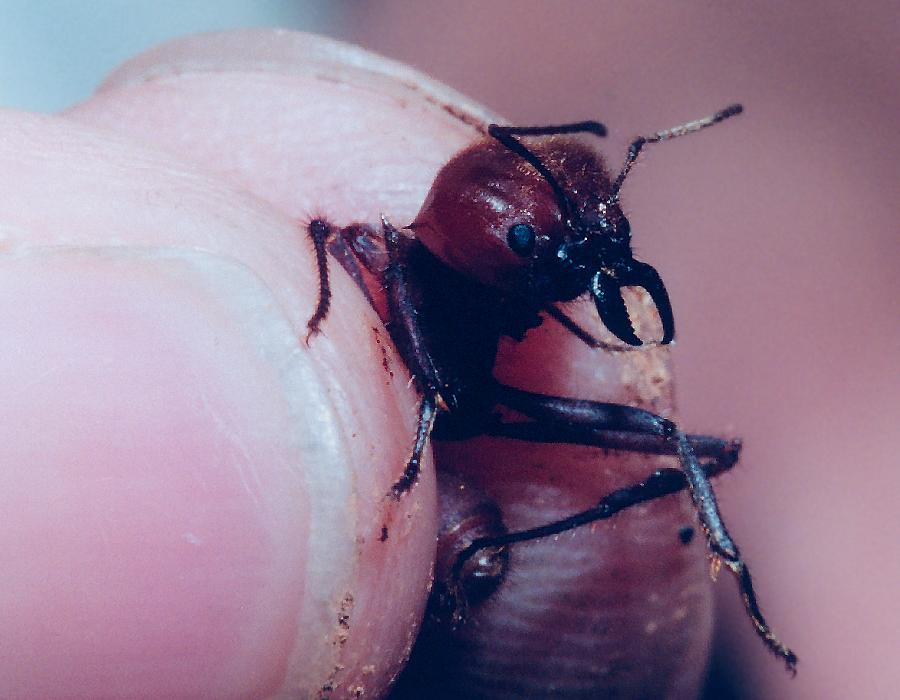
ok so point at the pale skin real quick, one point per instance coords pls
(198, 488)
(163, 313)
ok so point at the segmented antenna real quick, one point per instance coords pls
(690, 127)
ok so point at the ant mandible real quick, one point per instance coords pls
(507, 231)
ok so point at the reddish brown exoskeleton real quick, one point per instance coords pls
(510, 229)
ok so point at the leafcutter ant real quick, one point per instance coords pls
(524, 219)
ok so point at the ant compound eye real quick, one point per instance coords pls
(521, 239)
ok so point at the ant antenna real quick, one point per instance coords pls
(635, 148)
(506, 135)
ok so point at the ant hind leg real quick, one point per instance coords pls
(625, 427)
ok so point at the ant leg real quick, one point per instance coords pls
(357, 247)
(366, 246)
(724, 452)
(662, 482)
(427, 411)
(410, 340)
(577, 414)
(320, 232)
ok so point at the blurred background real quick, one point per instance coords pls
(776, 234)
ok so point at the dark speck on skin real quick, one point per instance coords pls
(686, 534)
(384, 356)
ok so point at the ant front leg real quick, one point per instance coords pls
(410, 340)
(635, 429)
(360, 251)
(356, 248)
(320, 233)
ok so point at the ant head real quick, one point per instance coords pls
(595, 257)
(594, 252)
(542, 223)
(587, 248)
(538, 236)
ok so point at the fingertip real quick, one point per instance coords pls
(324, 437)
(304, 122)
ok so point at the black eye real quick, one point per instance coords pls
(624, 228)
(521, 239)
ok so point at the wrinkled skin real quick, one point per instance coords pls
(171, 424)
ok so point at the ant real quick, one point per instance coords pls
(507, 231)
